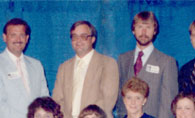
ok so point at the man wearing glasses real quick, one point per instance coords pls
(88, 78)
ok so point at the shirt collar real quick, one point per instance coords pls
(13, 57)
(86, 59)
(147, 51)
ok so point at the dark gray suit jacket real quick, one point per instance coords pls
(160, 72)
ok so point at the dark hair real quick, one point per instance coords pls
(92, 109)
(145, 16)
(92, 28)
(46, 103)
(17, 21)
(136, 85)
(182, 95)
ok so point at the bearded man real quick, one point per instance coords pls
(154, 67)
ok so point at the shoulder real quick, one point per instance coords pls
(162, 55)
(103, 58)
(67, 63)
(188, 65)
(2, 57)
(127, 54)
(32, 60)
(126, 57)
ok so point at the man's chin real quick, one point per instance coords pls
(144, 43)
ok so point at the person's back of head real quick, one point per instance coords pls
(92, 111)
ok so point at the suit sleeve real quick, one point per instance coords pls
(110, 86)
(58, 91)
(121, 110)
(169, 88)
(44, 88)
(186, 77)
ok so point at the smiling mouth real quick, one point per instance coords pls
(19, 43)
(132, 107)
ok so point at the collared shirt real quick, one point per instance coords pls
(86, 59)
(78, 81)
(23, 66)
(147, 51)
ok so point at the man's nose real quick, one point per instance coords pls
(144, 31)
(18, 38)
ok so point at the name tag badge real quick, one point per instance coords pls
(152, 69)
(13, 75)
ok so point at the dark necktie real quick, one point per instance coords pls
(138, 63)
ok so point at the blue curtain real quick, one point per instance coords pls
(50, 22)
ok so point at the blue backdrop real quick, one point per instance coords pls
(50, 22)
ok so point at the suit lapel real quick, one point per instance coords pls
(91, 72)
(31, 73)
(69, 82)
(130, 64)
(152, 60)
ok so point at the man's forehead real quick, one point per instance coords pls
(140, 21)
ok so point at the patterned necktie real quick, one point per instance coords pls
(138, 64)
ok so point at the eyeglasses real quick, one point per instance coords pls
(83, 37)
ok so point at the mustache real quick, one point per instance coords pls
(143, 36)
(19, 42)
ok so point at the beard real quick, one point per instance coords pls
(145, 42)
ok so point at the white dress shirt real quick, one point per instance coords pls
(147, 51)
(80, 70)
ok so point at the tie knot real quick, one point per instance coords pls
(80, 63)
(140, 54)
(18, 60)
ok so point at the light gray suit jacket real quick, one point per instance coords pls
(100, 84)
(163, 82)
(14, 99)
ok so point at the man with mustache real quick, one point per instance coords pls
(22, 78)
(154, 67)
(87, 78)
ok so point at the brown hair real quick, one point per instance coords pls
(92, 109)
(46, 103)
(145, 16)
(192, 27)
(136, 85)
(91, 27)
(17, 21)
(182, 95)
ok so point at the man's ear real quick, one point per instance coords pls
(27, 38)
(145, 99)
(133, 32)
(93, 39)
(4, 37)
(154, 33)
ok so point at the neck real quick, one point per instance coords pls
(81, 55)
(142, 47)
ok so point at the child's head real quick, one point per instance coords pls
(44, 107)
(92, 111)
